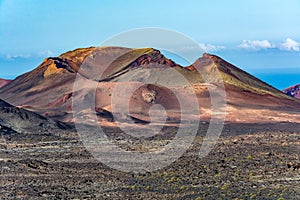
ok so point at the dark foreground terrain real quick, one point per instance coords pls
(248, 162)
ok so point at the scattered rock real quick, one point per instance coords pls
(149, 95)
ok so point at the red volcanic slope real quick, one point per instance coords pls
(293, 91)
(4, 82)
(48, 89)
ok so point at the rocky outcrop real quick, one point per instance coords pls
(155, 57)
(293, 91)
(149, 95)
(58, 65)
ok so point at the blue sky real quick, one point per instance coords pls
(261, 37)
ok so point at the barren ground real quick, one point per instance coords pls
(250, 161)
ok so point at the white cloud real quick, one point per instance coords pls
(256, 44)
(290, 45)
(210, 47)
(16, 56)
(200, 48)
(46, 53)
(43, 54)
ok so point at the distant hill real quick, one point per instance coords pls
(21, 120)
(4, 82)
(293, 91)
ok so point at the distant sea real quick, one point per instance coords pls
(279, 81)
(281, 69)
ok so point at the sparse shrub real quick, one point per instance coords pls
(133, 187)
